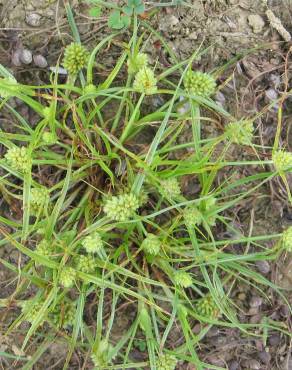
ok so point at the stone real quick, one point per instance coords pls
(256, 22)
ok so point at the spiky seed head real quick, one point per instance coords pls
(86, 264)
(206, 307)
(39, 199)
(240, 132)
(89, 89)
(199, 83)
(32, 309)
(166, 362)
(183, 279)
(287, 239)
(145, 81)
(100, 356)
(49, 138)
(67, 277)
(75, 58)
(170, 188)
(151, 244)
(137, 62)
(44, 247)
(63, 314)
(19, 159)
(92, 243)
(282, 160)
(192, 217)
(122, 207)
(7, 87)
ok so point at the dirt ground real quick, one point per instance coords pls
(32, 33)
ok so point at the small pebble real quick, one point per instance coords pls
(15, 58)
(285, 311)
(251, 364)
(33, 19)
(25, 56)
(40, 61)
(241, 296)
(265, 357)
(274, 339)
(234, 365)
(263, 267)
(256, 22)
(271, 94)
(255, 302)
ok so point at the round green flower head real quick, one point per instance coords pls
(32, 309)
(44, 247)
(75, 58)
(170, 188)
(63, 315)
(183, 279)
(122, 207)
(49, 138)
(137, 62)
(199, 83)
(39, 198)
(67, 277)
(92, 243)
(19, 159)
(145, 81)
(166, 362)
(89, 89)
(151, 244)
(206, 307)
(240, 132)
(192, 217)
(86, 264)
(7, 87)
(282, 160)
(287, 239)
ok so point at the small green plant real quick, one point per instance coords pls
(121, 19)
(131, 201)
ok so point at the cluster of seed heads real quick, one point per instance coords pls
(100, 356)
(199, 83)
(67, 277)
(122, 207)
(39, 198)
(206, 307)
(145, 81)
(44, 247)
(137, 62)
(75, 58)
(240, 132)
(49, 138)
(19, 159)
(31, 310)
(282, 160)
(192, 217)
(166, 362)
(92, 243)
(170, 188)
(183, 279)
(86, 264)
(63, 315)
(287, 239)
(151, 244)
